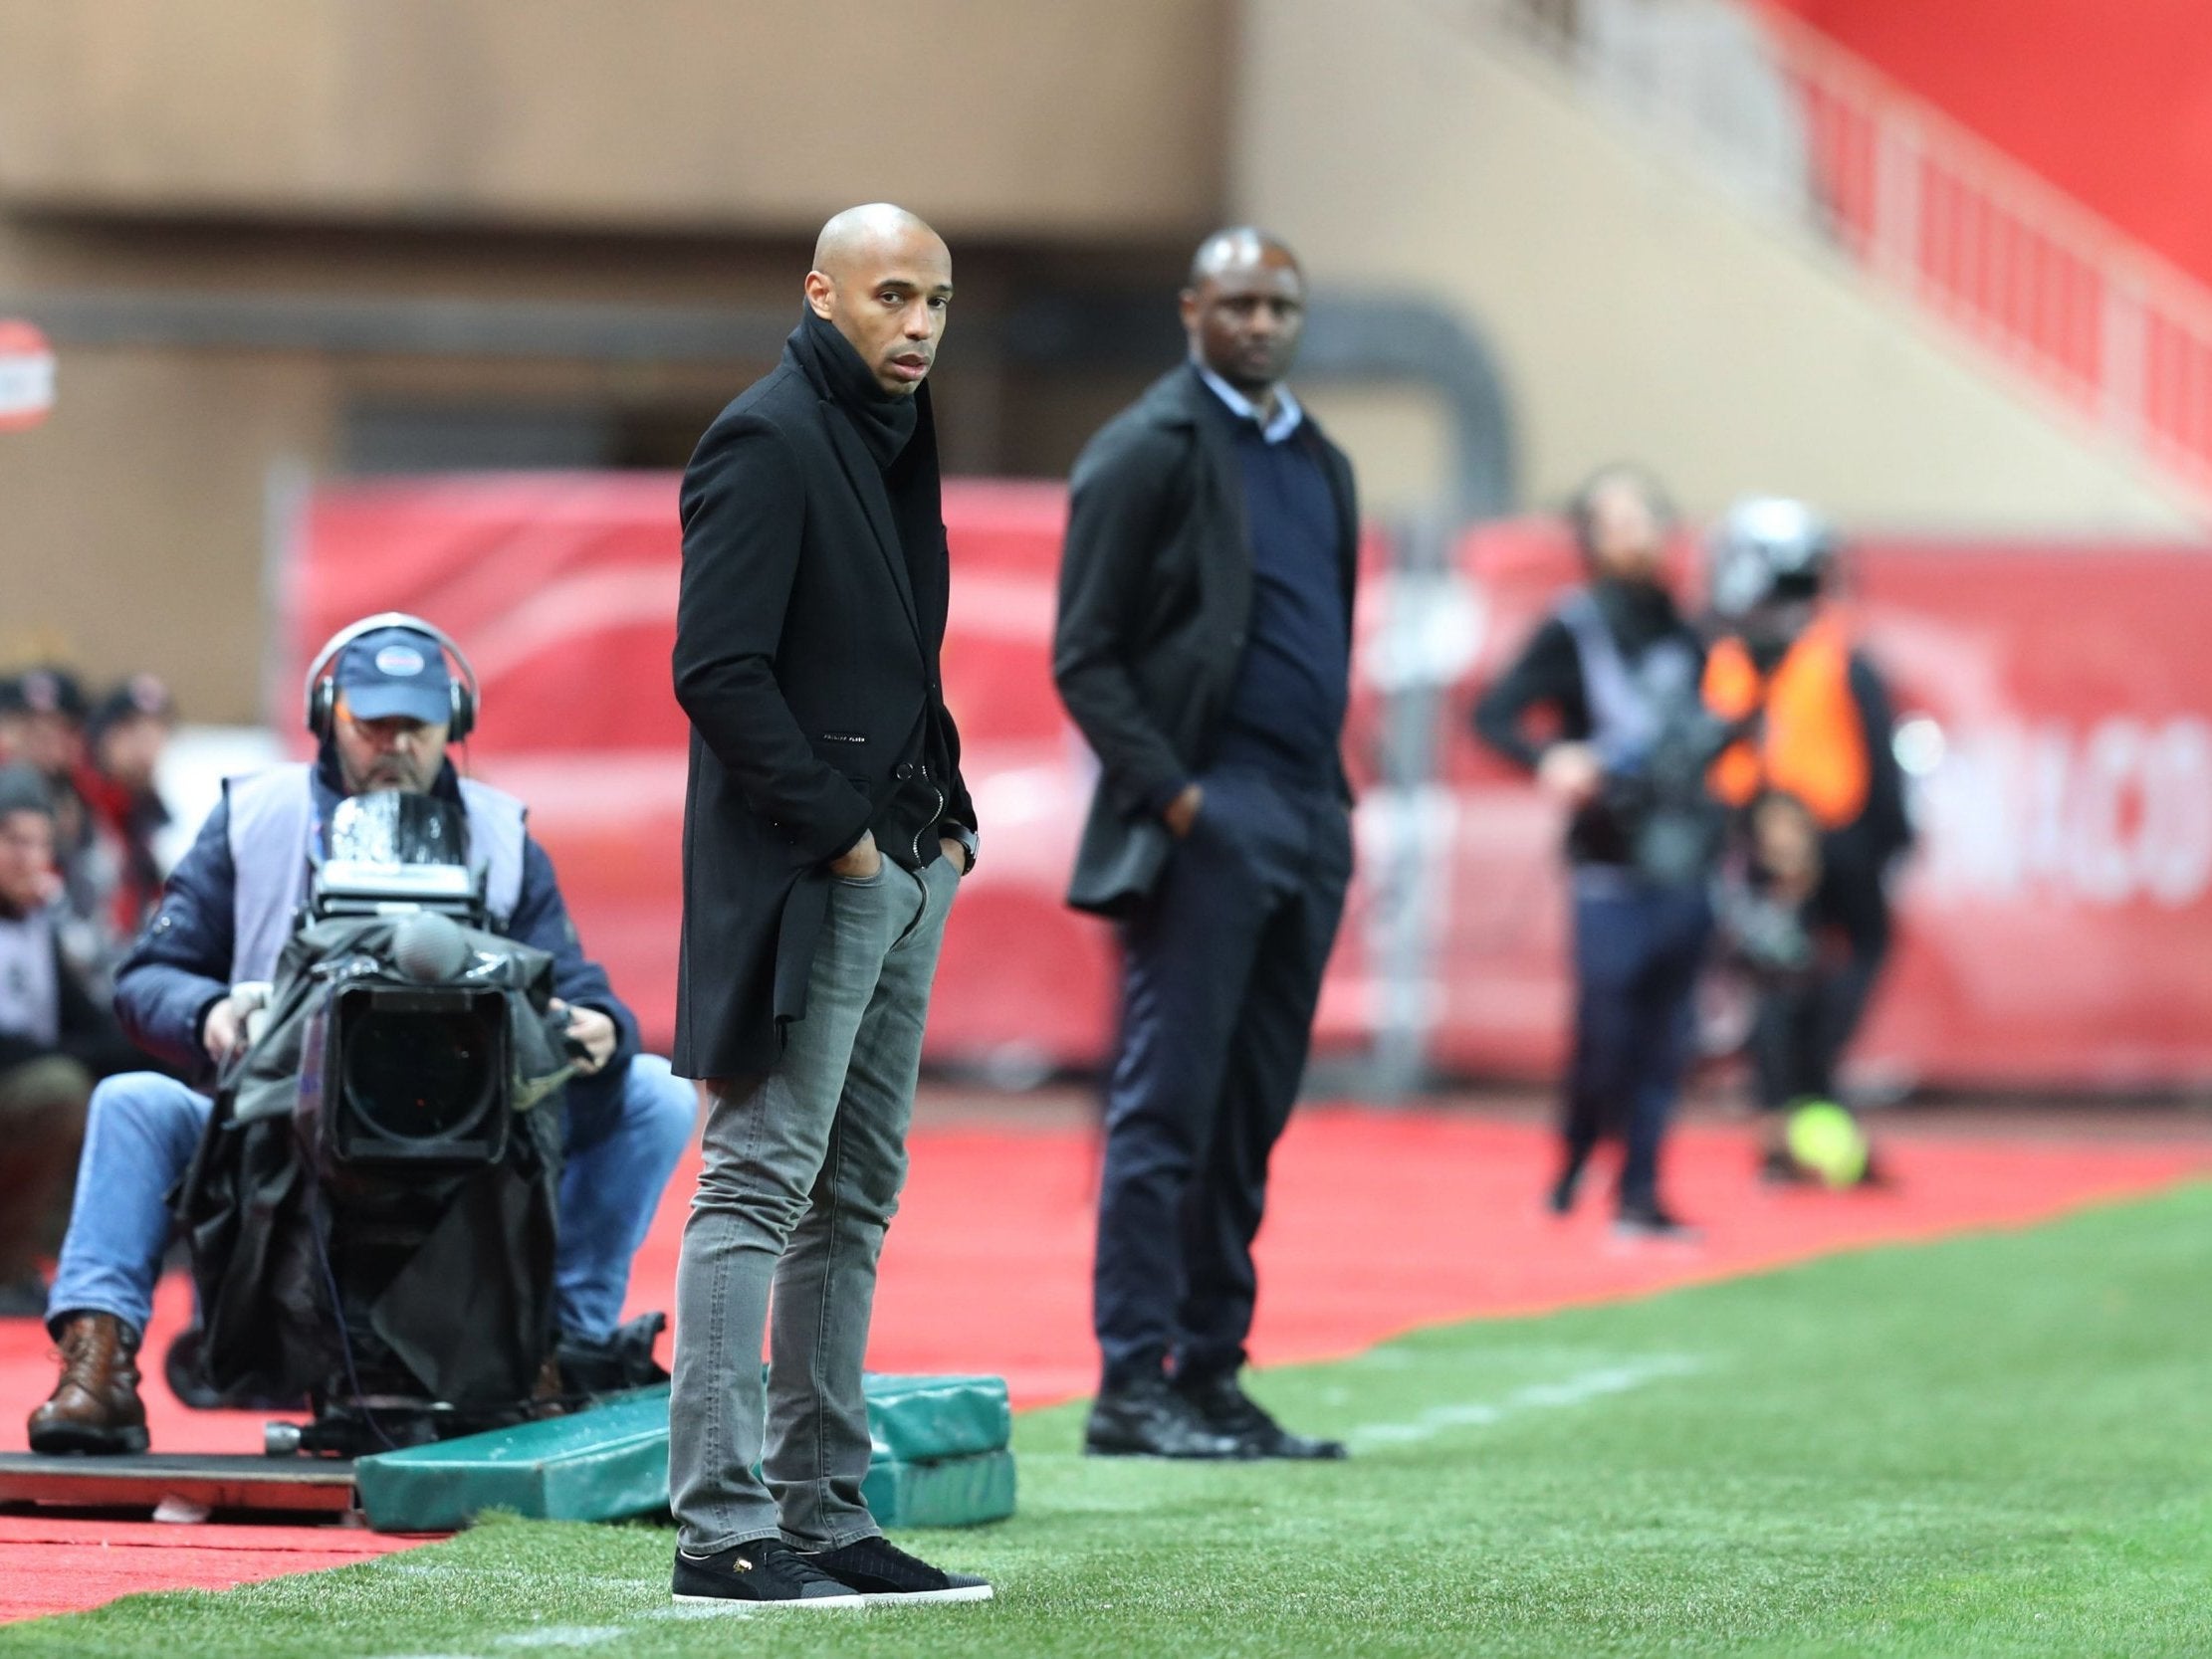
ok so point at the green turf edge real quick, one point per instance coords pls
(1992, 1444)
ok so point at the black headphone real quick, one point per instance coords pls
(320, 691)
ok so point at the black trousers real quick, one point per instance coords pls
(1803, 1025)
(1221, 970)
(1637, 951)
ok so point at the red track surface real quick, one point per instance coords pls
(1378, 1222)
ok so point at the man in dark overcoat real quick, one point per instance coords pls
(1203, 646)
(825, 831)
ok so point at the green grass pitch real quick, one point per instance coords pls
(1993, 1445)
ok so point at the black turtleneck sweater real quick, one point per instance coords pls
(1548, 676)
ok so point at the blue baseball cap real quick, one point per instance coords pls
(395, 671)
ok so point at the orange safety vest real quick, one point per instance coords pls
(1811, 744)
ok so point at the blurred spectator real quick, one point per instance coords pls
(56, 1040)
(114, 880)
(45, 709)
(47, 718)
(1826, 796)
(1617, 670)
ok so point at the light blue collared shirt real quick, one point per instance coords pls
(1288, 413)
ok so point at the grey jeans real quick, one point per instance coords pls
(803, 1167)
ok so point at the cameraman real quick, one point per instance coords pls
(1818, 777)
(1617, 670)
(231, 904)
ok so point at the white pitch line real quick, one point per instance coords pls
(1579, 1390)
(562, 1635)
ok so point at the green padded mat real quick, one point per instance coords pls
(955, 1491)
(922, 1419)
(612, 1461)
(598, 1465)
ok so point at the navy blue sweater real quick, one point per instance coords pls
(1287, 712)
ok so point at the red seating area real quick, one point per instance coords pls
(2105, 100)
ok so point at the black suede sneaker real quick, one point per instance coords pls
(762, 1572)
(887, 1576)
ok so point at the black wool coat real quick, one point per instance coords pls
(806, 656)
(1156, 596)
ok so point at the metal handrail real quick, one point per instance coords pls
(2122, 336)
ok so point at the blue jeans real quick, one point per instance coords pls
(1637, 952)
(624, 1140)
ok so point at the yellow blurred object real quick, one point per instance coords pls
(1827, 1141)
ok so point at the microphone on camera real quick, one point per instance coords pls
(429, 947)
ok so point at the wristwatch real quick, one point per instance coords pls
(949, 830)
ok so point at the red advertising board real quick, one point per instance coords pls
(2054, 920)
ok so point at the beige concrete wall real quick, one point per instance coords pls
(1029, 115)
(130, 534)
(1637, 312)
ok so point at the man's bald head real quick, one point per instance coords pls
(883, 278)
(870, 229)
(1245, 309)
(1239, 247)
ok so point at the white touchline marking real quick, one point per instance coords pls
(1579, 1390)
(700, 1609)
(561, 1635)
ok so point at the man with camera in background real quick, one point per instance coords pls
(382, 717)
(1618, 670)
(1817, 779)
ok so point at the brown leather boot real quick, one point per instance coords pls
(96, 1406)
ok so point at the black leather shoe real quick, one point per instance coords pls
(1150, 1419)
(1560, 1200)
(1778, 1169)
(1648, 1220)
(612, 1363)
(1227, 1409)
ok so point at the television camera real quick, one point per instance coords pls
(372, 1214)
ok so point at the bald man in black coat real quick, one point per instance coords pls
(825, 833)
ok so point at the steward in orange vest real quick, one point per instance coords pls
(1819, 789)
(1811, 739)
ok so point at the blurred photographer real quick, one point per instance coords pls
(56, 1038)
(383, 714)
(1824, 800)
(1617, 670)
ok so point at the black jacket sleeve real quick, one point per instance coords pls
(743, 508)
(1887, 824)
(541, 921)
(1548, 673)
(1119, 497)
(180, 966)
